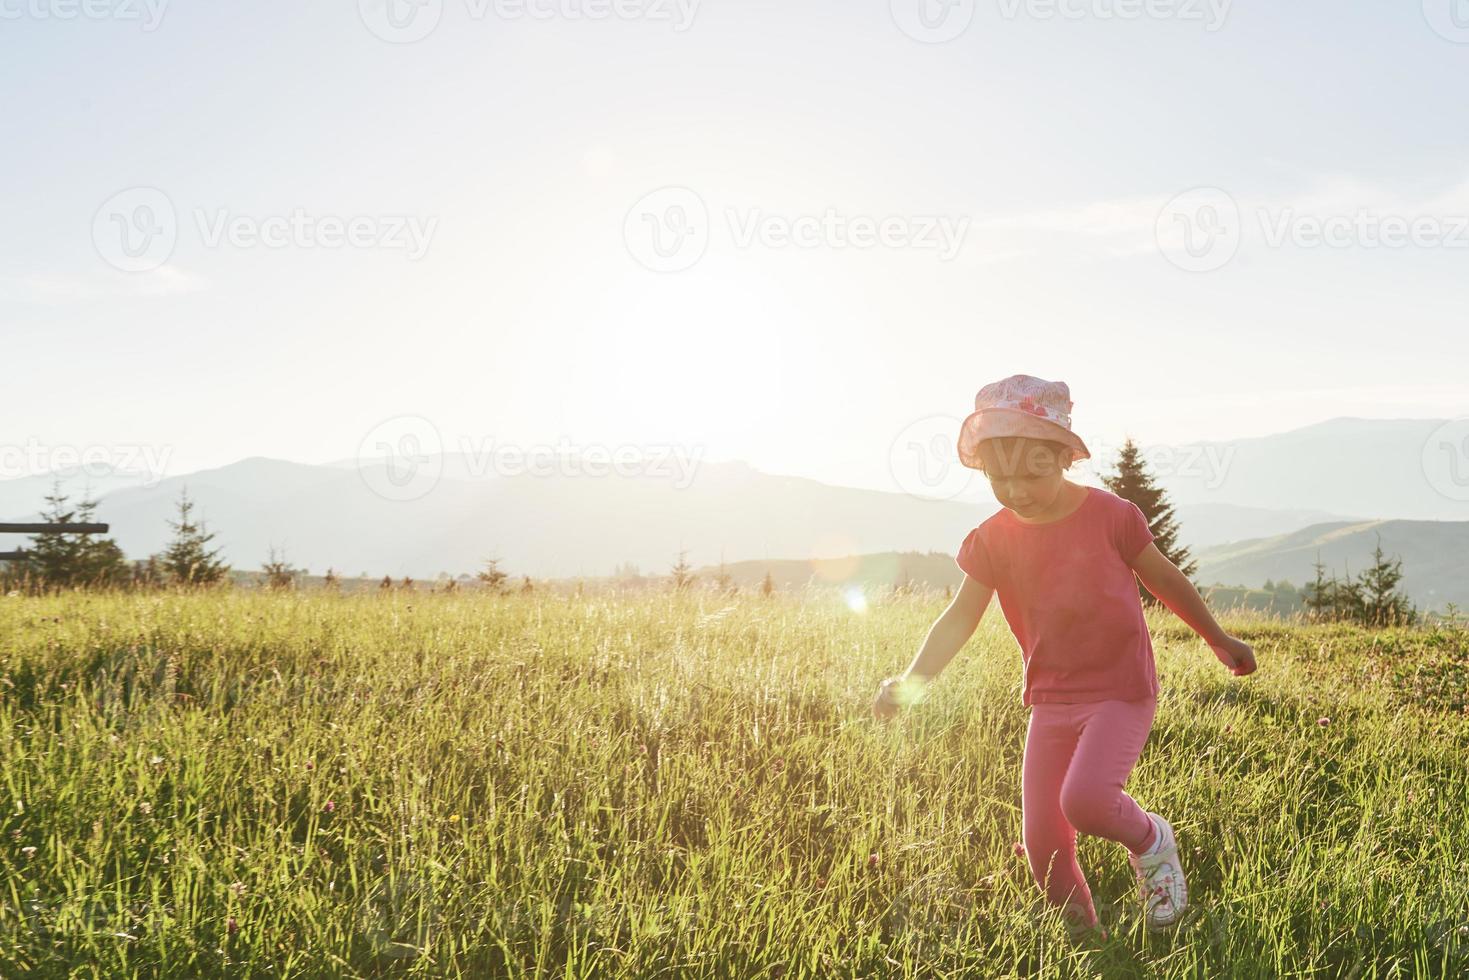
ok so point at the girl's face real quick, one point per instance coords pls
(1025, 474)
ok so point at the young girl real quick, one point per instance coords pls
(1062, 557)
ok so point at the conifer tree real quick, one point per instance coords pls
(58, 559)
(682, 573)
(492, 577)
(1319, 592)
(187, 560)
(1382, 603)
(1133, 482)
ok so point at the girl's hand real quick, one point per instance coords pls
(1235, 654)
(885, 705)
(895, 693)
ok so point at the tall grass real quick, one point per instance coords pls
(313, 785)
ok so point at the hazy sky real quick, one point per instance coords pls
(868, 226)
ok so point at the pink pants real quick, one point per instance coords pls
(1077, 758)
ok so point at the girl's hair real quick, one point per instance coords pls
(1057, 450)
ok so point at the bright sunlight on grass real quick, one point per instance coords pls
(313, 785)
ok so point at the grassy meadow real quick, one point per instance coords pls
(244, 784)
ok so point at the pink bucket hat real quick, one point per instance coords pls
(1020, 405)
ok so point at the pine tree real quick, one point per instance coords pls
(186, 560)
(1382, 603)
(492, 577)
(1133, 482)
(331, 583)
(723, 581)
(682, 573)
(53, 558)
(1319, 592)
(102, 563)
(767, 587)
(279, 575)
(58, 559)
(385, 584)
(1348, 600)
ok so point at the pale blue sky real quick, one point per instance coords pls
(525, 143)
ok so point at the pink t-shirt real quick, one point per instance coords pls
(1070, 598)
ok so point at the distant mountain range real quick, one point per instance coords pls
(1251, 509)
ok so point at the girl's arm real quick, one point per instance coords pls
(1174, 590)
(949, 633)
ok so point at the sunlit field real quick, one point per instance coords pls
(312, 785)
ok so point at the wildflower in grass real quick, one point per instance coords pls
(453, 818)
(157, 760)
(310, 765)
(231, 926)
(1323, 721)
(29, 852)
(872, 860)
(237, 888)
(820, 882)
(1019, 848)
(330, 807)
(145, 808)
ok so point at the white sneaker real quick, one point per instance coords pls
(1160, 878)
